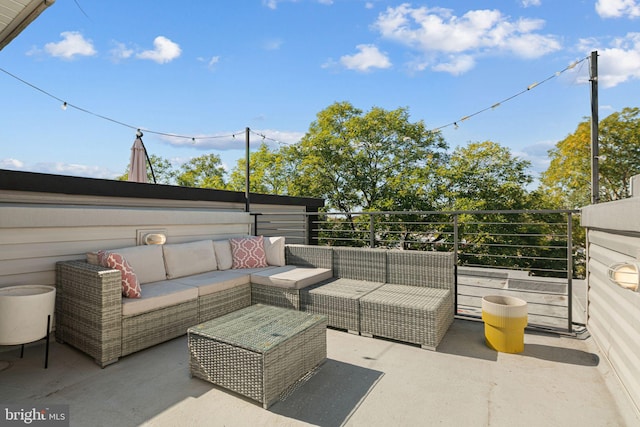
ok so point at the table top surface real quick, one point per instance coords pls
(258, 327)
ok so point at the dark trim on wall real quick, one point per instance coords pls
(63, 184)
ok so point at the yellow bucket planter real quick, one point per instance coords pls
(504, 321)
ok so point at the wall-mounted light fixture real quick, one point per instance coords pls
(626, 275)
(155, 239)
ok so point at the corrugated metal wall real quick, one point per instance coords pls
(614, 312)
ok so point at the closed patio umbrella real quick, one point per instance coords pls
(138, 163)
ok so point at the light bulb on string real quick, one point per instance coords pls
(64, 106)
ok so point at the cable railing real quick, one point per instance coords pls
(532, 254)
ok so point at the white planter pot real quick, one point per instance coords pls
(23, 313)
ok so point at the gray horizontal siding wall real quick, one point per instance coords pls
(48, 218)
(613, 312)
(34, 236)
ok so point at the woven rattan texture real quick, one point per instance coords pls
(89, 309)
(338, 300)
(223, 302)
(153, 327)
(259, 351)
(273, 295)
(411, 314)
(360, 264)
(309, 256)
(415, 268)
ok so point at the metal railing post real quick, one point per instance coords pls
(569, 272)
(372, 231)
(455, 262)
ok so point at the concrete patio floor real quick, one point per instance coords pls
(364, 382)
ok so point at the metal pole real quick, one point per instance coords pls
(570, 272)
(455, 263)
(247, 207)
(595, 151)
(372, 232)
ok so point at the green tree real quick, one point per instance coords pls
(568, 178)
(268, 172)
(376, 160)
(483, 176)
(204, 171)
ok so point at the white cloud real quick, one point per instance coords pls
(12, 164)
(211, 62)
(59, 168)
(164, 50)
(120, 52)
(73, 44)
(538, 154)
(618, 8)
(529, 3)
(618, 63)
(437, 34)
(459, 64)
(367, 58)
(273, 4)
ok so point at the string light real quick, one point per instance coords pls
(497, 104)
(266, 138)
(65, 105)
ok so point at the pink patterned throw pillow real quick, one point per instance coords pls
(130, 284)
(248, 252)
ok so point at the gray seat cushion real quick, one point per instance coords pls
(291, 277)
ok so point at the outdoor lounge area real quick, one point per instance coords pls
(125, 303)
(575, 378)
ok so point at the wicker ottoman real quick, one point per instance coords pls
(258, 351)
(338, 300)
(413, 314)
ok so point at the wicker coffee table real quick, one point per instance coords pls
(258, 351)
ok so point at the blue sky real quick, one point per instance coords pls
(206, 70)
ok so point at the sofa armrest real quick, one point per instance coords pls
(309, 256)
(89, 309)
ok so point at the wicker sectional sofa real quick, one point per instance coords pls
(402, 295)
(181, 285)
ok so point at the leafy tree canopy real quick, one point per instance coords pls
(568, 178)
(377, 160)
(484, 176)
(204, 171)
